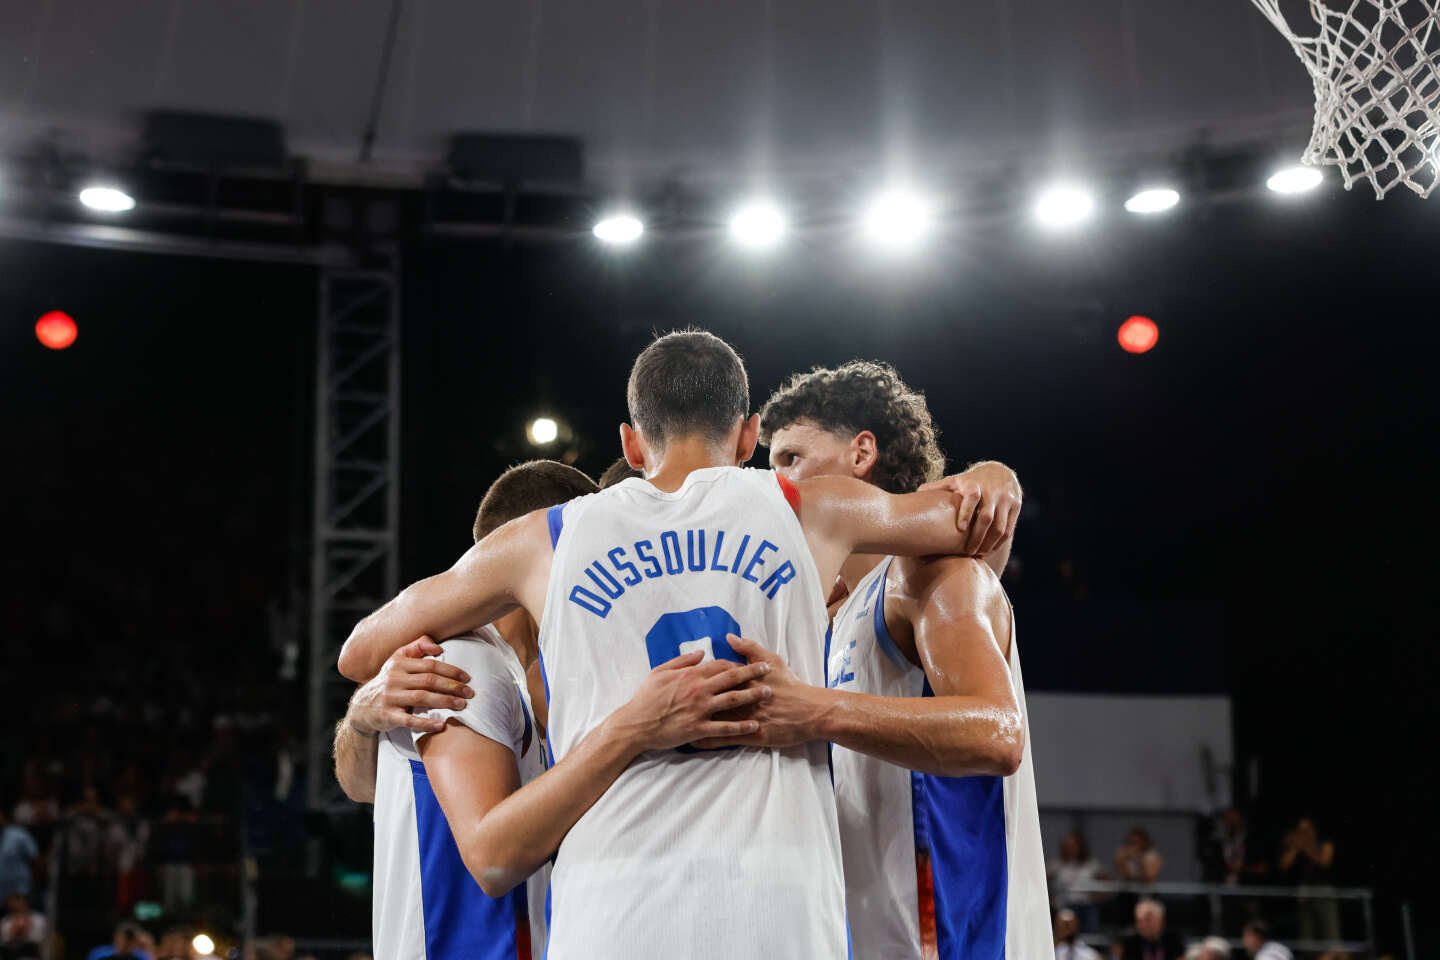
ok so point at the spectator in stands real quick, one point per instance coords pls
(1075, 866)
(1068, 945)
(38, 804)
(129, 943)
(1137, 860)
(23, 933)
(177, 943)
(1151, 941)
(125, 842)
(84, 848)
(1259, 945)
(1308, 863)
(1212, 948)
(18, 851)
(175, 851)
(1229, 859)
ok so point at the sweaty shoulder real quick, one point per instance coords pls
(949, 587)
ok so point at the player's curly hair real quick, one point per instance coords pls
(864, 395)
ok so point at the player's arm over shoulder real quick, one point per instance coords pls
(843, 515)
(509, 568)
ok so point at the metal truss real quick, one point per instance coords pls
(354, 565)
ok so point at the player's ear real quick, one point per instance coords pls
(631, 447)
(748, 440)
(864, 452)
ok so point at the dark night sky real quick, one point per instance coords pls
(1247, 509)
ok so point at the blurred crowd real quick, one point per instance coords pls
(126, 805)
(1114, 902)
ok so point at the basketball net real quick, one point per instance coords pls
(1376, 69)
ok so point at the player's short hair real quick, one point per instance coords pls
(687, 383)
(618, 472)
(864, 395)
(529, 486)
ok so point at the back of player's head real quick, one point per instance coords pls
(864, 395)
(685, 384)
(530, 486)
(618, 472)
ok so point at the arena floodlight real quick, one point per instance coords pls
(898, 219)
(1153, 200)
(1063, 205)
(619, 229)
(542, 430)
(106, 198)
(1295, 180)
(203, 945)
(758, 225)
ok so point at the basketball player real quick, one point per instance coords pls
(926, 706)
(715, 854)
(487, 737)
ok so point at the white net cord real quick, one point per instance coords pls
(1375, 65)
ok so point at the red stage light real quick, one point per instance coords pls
(1138, 334)
(56, 330)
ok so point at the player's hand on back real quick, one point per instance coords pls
(679, 700)
(990, 505)
(790, 715)
(410, 680)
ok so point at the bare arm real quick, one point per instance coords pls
(508, 569)
(842, 515)
(505, 831)
(970, 727)
(410, 679)
(960, 624)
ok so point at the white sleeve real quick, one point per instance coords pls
(496, 712)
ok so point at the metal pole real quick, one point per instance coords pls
(1367, 904)
(1409, 930)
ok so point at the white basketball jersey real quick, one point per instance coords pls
(709, 855)
(427, 906)
(935, 867)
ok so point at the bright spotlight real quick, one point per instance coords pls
(619, 229)
(1138, 334)
(107, 199)
(203, 945)
(543, 430)
(1295, 180)
(898, 219)
(1152, 201)
(1064, 206)
(757, 225)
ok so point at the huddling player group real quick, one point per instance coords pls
(704, 711)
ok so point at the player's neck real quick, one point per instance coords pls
(518, 630)
(683, 456)
(858, 567)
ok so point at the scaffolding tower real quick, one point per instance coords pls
(353, 560)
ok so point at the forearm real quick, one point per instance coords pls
(355, 759)
(946, 736)
(522, 831)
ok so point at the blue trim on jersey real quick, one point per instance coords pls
(882, 632)
(960, 824)
(830, 745)
(460, 920)
(555, 517)
(545, 682)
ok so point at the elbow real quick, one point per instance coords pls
(360, 793)
(483, 862)
(1005, 746)
(352, 663)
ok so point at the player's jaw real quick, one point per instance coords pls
(803, 450)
